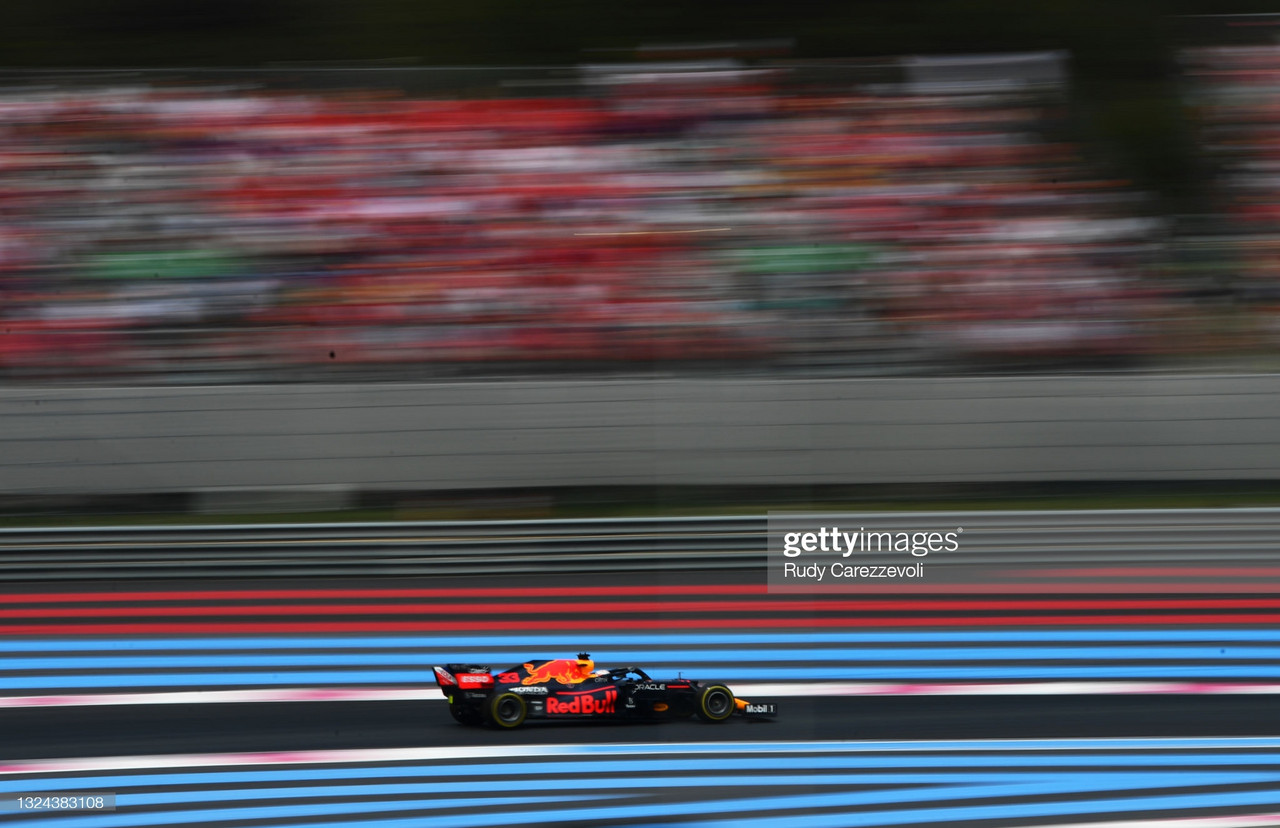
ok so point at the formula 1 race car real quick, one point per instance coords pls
(569, 688)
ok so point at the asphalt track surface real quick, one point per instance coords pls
(827, 763)
(712, 619)
(959, 758)
(171, 729)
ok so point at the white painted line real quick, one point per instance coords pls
(299, 694)
(457, 752)
(1238, 821)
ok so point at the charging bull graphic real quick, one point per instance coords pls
(563, 670)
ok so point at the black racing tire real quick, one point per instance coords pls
(508, 710)
(716, 703)
(465, 715)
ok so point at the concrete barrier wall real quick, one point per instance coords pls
(639, 432)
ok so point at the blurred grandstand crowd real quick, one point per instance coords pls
(739, 220)
(1235, 92)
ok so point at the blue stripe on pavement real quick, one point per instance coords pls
(1138, 808)
(421, 678)
(428, 659)
(677, 763)
(1036, 782)
(126, 817)
(463, 641)
(668, 811)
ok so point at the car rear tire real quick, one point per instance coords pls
(508, 710)
(715, 703)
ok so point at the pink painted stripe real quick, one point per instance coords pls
(745, 690)
(299, 694)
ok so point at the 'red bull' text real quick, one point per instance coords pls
(583, 704)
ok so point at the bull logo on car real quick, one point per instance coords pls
(562, 670)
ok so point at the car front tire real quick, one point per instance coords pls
(715, 703)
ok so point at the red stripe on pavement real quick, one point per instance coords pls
(1047, 588)
(1149, 572)
(518, 625)
(321, 594)
(781, 605)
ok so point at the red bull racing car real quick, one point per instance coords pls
(567, 688)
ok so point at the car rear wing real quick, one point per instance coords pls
(463, 677)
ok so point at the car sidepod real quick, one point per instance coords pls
(681, 699)
(584, 702)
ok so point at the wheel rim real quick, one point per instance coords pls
(508, 710)
(717, 703)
